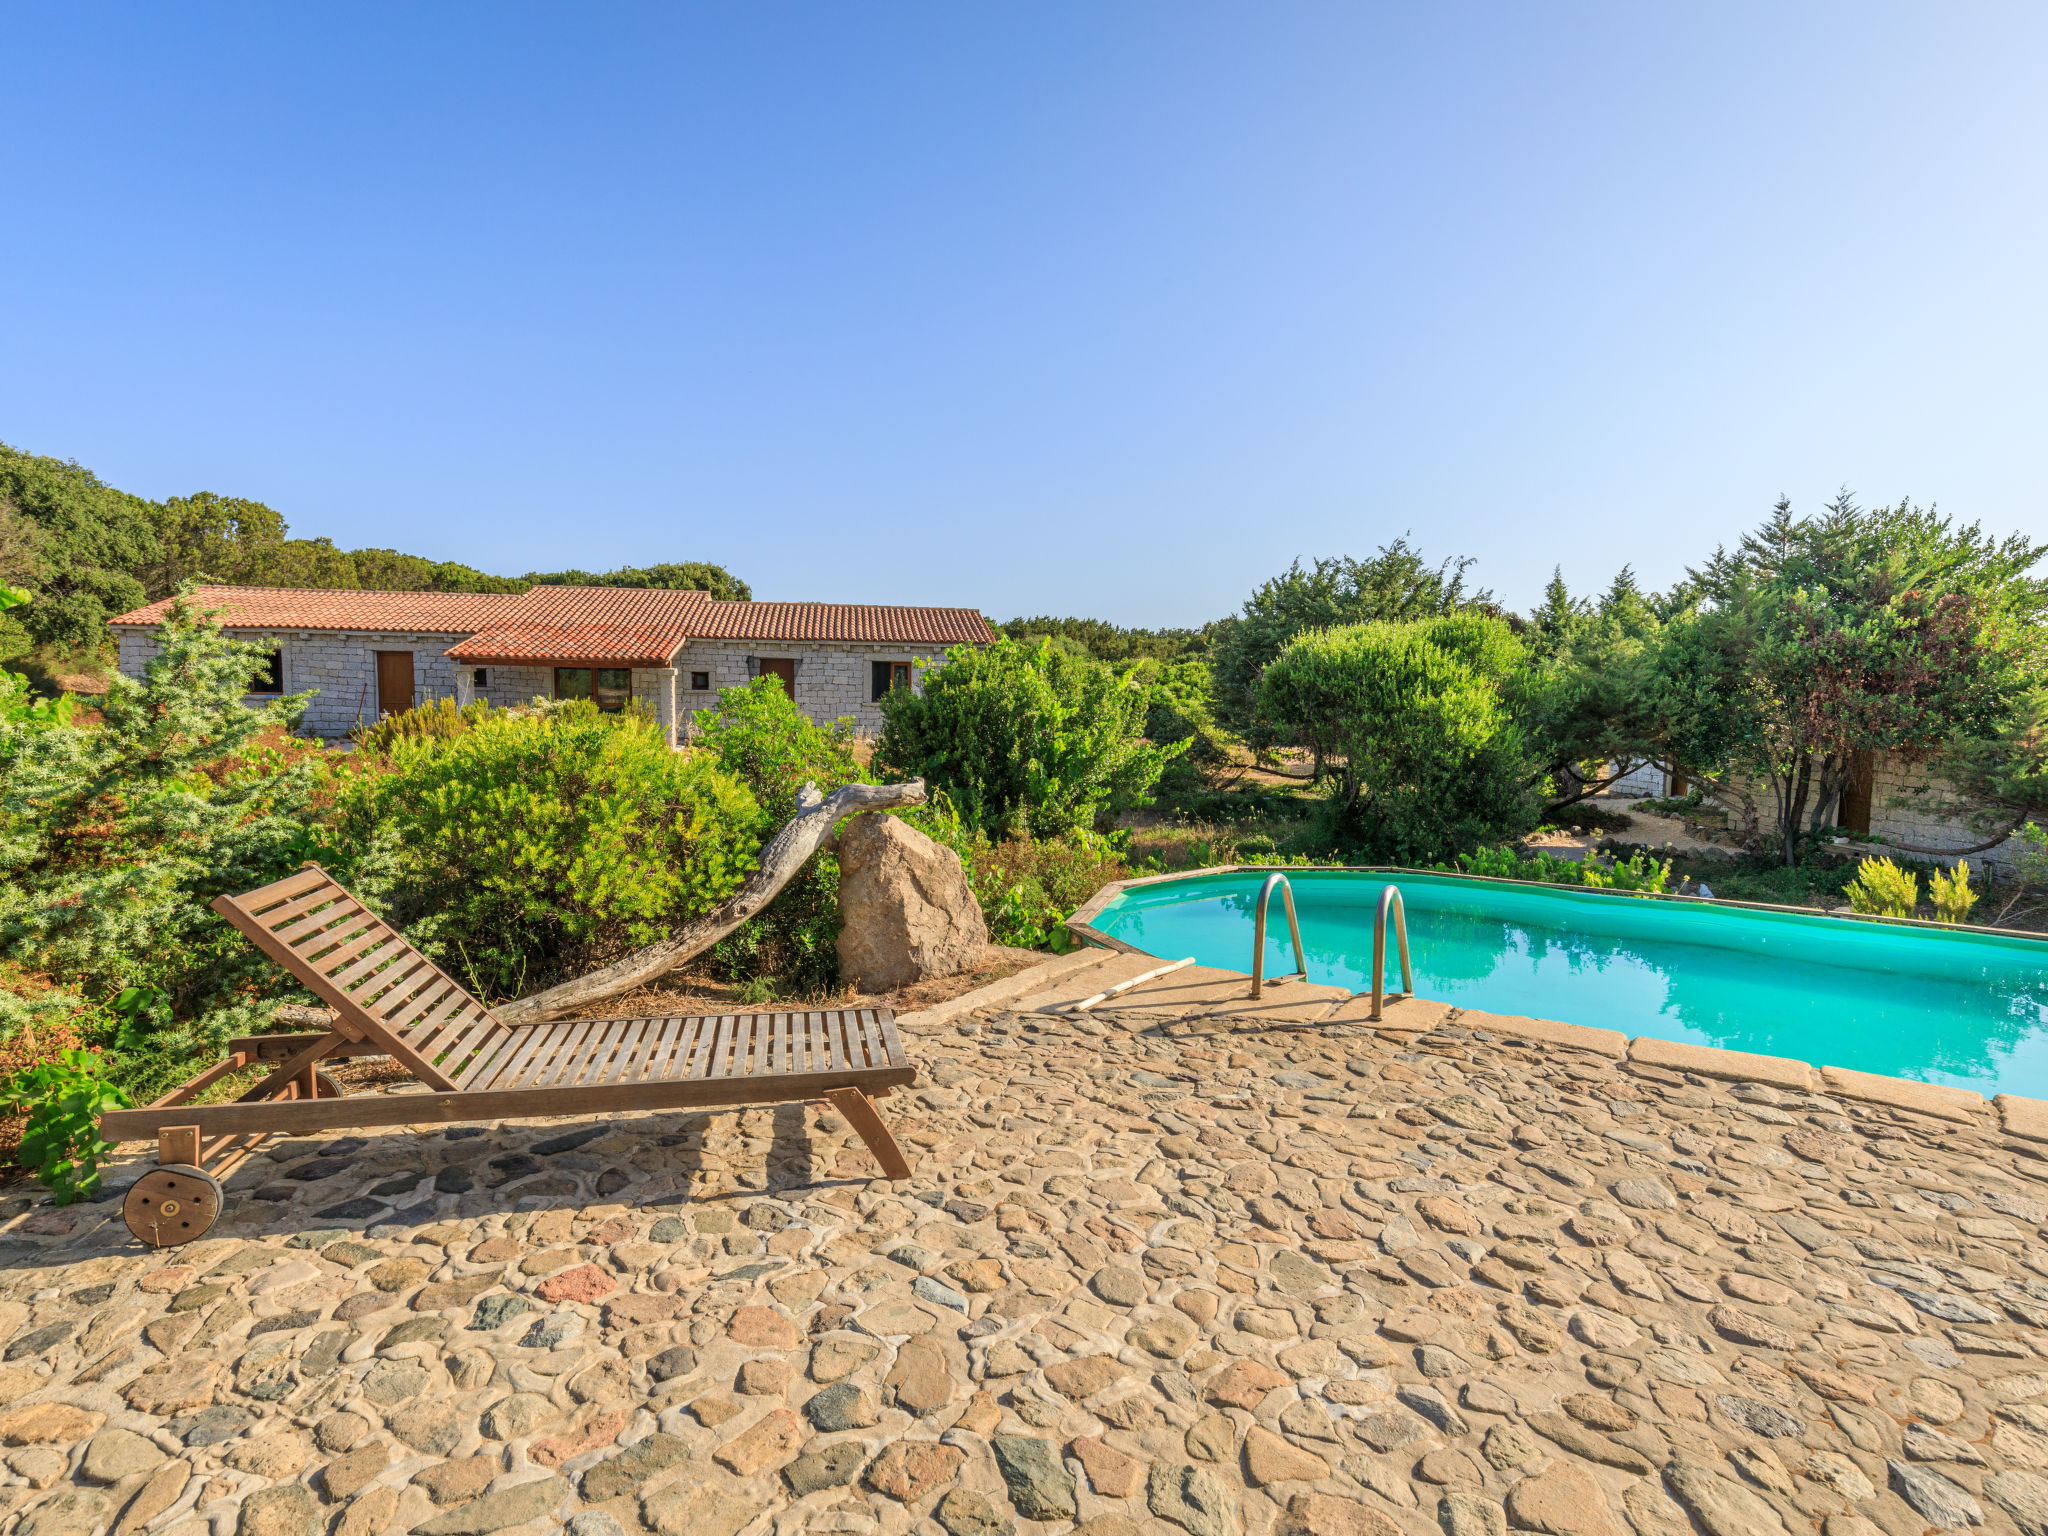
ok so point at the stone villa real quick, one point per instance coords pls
(366, 654)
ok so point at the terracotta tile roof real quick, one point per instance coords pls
(617, 626)
(844, 621)
(433, 613)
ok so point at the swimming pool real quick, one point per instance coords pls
(1961, 1007)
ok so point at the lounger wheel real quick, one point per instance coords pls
(172, 1203)
(324, 1087)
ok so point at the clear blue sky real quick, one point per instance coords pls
(1081, 308)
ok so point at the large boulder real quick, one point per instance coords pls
(905, 909)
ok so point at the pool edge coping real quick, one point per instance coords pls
(2024, 1118)
(1102, 898)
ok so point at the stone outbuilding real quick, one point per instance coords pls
(363, 655)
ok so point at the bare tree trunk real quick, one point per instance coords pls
(785, 854)
(1583, 788)
(1791, 808)
(1834, 777)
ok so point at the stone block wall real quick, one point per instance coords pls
(339, 670)
(1645, 781)
(1910, 805)
(507, 686)
(833, 680)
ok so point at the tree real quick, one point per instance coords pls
(758, 735)
(1178, 711)
(389, 570)
(1591, 701)
(1107, 642)
(90, 552)
(1890, 629)
(683, 576)
(76, 543)
(1024, 738)
(1395, 584)
(1997, 781)
(1421, 714)
(204, 537)
(114, 837)
(1554, 626)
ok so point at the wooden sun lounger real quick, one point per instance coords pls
(388, 999)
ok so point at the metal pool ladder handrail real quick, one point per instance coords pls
(1389, 898)
(1293, 930)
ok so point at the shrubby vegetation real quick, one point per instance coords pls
(1397, 585)
(1028, 739)
(538, 844)
(115, 835)
(759, 736)
(1637, 872)
(680, 576)
(1108, 642)
(1883, 888)
(1950, 894)
(1423, 718)
(62, 1098)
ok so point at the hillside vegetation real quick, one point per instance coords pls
(87, 551)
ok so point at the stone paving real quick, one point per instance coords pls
(1166, 1268)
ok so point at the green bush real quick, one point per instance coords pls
(1951, 895)
(1671, 805)
(63, 1100)
(1638, 872)
(1587, 816)
(1178, 704)
(1421, 713)
(19, 705)
(757, 734)
(438, 721)
(1884, 889)
(536, 845)
(1025, 739)
(1026, 887)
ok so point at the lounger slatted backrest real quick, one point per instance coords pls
(381, 988)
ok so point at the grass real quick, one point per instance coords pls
(1760, 879)
(1821, 884)
(1228, 816)
(1186, 844)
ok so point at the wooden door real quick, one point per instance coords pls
(1853, 813)
(784, 669)
(394, 681)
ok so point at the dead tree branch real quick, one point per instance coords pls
(785, 854)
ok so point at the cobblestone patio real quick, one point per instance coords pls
(1181, 1266)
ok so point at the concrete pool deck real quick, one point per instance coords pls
(1169, 1267)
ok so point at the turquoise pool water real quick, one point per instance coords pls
(1968, 1009)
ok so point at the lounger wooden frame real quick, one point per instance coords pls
(388, 999)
